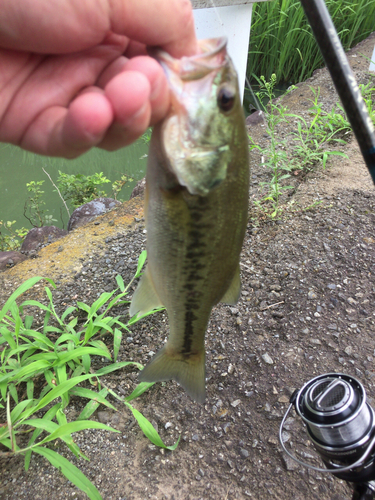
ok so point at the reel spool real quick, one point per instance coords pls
(340, 423)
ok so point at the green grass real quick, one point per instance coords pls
(43, 367)
(282, 42)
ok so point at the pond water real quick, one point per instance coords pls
(17, 167)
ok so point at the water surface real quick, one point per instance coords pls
(18, 167)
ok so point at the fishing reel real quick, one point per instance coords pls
(341, 425)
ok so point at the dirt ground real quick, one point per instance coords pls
(306, 308)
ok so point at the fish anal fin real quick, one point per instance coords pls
(232, 294)
(189, 372)
(145, 298)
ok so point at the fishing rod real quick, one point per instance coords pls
(339, 420)
(343, 78)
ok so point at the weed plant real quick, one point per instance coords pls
(311, 143)
(42, 368)
(282, 42)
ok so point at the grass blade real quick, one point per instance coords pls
(116, 366)
(20, 290)
(91, 406)
(140, 389)
(116, 343)
(94, 396)
(149, 430)
(70, 471)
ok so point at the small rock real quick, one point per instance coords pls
(315, 341)
(267, 359)
(244, 453)
(311, 295)
(168, 425)
(332, 286)
(289, 463)
(348, 350)
(104, 416)
(235, 403)
(285, 436)
(230, 369)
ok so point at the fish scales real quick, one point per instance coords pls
(194, 239)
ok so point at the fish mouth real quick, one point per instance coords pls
(212, 56)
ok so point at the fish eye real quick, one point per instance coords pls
(225, 99)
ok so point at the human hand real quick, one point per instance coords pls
(75, 74)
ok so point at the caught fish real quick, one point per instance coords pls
(196, 205)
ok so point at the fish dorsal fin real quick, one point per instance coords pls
(232, 295)
(145, 298)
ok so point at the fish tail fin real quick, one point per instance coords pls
(189, 372)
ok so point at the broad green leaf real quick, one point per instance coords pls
(8, 337)
(149, 430)
(95, 396)
(103, 324)
(67, 429)
(35, 303)
(60, 389)
(116, 343)
(13, 392)
(39, 336)
(52, 329)
(140, 389)
(99, 344)
(28, 321)
(30, 389)
(70, 471)
(67, 312)
(120, 282)
(89, 409)
(116, 366)
(86, 361)
(49, 415)
(83, 306)
(67, 337)
(77, 353)
(17, 410)
(31, 369)
(141, 260)
(99, 303)
(136, 318)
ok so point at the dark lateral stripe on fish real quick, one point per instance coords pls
(188, 333)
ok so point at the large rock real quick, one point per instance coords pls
(38, 236)
(87, 212)
(139, 188)
(10, 259)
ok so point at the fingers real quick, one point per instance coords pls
(165, 23)
(132, 100)
(159, 90)
(46, 27)
(59, 131)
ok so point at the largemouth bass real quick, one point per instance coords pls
(196, 205)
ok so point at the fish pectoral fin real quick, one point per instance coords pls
(145, 298)
(189, 373)
(232, 295)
